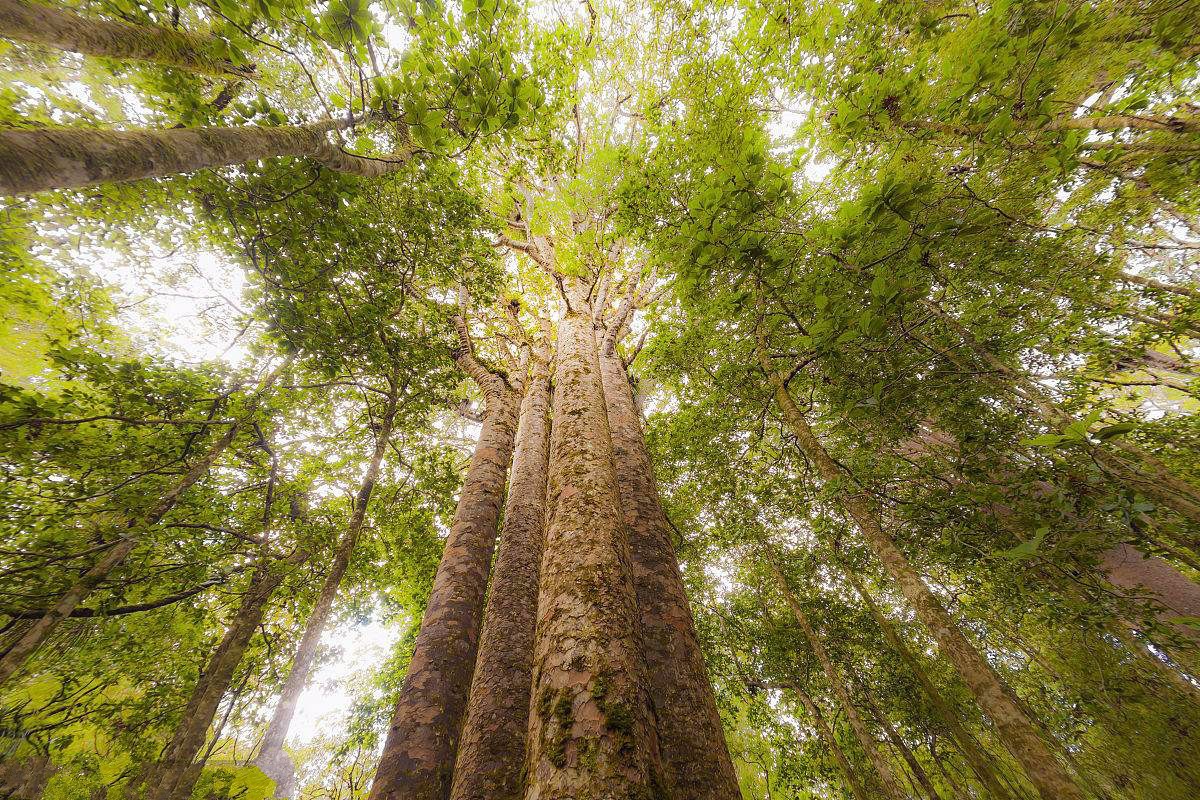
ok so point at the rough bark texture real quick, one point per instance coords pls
(883, 770)
(174, 774)
(978, 758)
(1155, 579)
(66, 30)
(491, 756)
(696, 759)
(272, 759)
(41, 159)
(418, 755)
(1014, 728)
(98, 572)
(831, 743)
(591, 730)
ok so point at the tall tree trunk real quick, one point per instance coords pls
(491, 757)
(1014, 728)
(695, 756)
(1148, 576)
(830, 742)
(35, 160)
(977, 758)
(591, 730)
(272, 759)
(66, 30)
(96, 574)
(883, 770)
(174, 774)
(418, 755)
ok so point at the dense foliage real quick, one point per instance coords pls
(907, 293)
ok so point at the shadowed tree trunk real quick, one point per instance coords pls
(695, 757)
(591, 732)
(418, 754)
(272, 759)
(978, 758)
(96, 574)
(36, 160)
(176, 771)
(837, 682)
(830, 742)
(1147, 576)
(491, 756)
(66, 30)
(1015, 729)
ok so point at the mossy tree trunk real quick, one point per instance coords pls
(695, 756)
(491, 757)
(65, 30)
(591, 728)
(36, 160)
(422, 741)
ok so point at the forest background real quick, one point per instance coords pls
(903, 296)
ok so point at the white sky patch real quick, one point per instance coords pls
(325, 705)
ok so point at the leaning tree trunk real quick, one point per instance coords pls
(272, 759)
(830, 742)
(977, 758)
(491, 756)
(98, 572)
(695, 756)
(1013, 726)
(66, 30)
(591, 730)
(174, 775)
(883, 770)
(35, 160)
(418, 755)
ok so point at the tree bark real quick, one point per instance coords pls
(66, 30)
(978, 759)
(174, 774)
(36, 160)
(491, 757)
(272, 759)
(883, 770)
(1014, 728)
(418, 754)
(1148, 576)
(695, 757)
(591, 730)
(831, 743)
